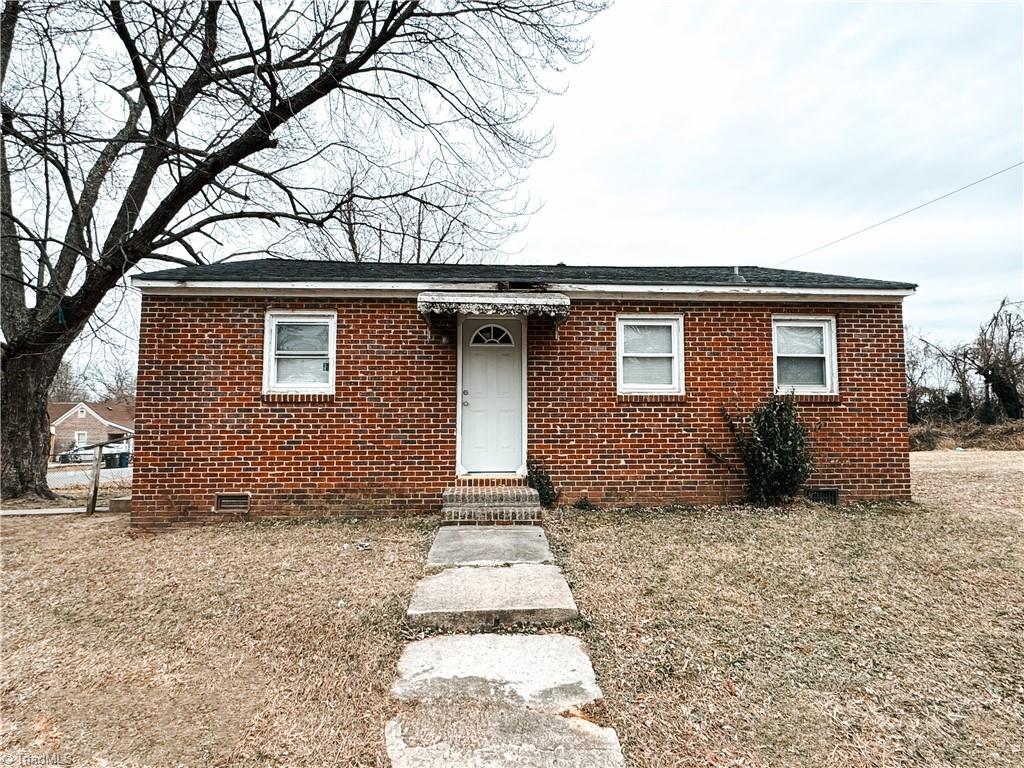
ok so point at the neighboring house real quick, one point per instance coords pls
(276, 387)
(77, 424)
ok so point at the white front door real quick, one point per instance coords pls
(491, 396)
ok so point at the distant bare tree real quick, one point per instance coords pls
(115, 381)
(971, 373)
(165, 131)
(918, 370)
(409, 230)
(997, 355)
(959, 386)
(68, 385)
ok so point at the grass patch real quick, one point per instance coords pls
(239, 644)
(74, 496)
(872, 635)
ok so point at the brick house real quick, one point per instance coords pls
(78, 424)
(277, 387)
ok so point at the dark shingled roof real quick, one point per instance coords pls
(288, 270)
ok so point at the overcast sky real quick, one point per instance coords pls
(748, 133)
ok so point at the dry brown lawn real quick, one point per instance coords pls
(74, 496)
(240, 644)
(884, 635)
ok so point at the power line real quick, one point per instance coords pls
(898, 215)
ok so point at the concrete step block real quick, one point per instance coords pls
(121, 504)
(478, 598)
(475, 735)
(488, 545)
(550, 673)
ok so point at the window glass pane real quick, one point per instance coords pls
(302, 337)
(801, 371)
(302, 370)
(638, 339)
(492, 334)
(647, 370)
(800, 340)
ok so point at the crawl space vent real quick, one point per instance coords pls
(233, 502)
(823, 495)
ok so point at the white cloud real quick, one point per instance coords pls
(745, 134)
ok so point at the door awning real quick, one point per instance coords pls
(554, 306)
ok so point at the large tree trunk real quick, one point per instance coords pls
(24, 423)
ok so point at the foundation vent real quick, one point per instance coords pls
(232, 502)
(822, 495)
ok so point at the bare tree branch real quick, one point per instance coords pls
(351, 130)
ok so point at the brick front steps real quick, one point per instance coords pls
(490, 505)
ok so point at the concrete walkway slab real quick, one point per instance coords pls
(477, 598)
(551, 673)
(488, 545)
(498, 737)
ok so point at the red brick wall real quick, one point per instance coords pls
(385, 443)
(626, 448)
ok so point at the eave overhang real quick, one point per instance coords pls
(576, 290)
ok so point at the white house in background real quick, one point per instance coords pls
(76, 424)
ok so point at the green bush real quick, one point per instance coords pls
(585, 504)
(775, 450)
(539, 479)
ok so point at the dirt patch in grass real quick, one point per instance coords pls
(245, 644)
(876, 635)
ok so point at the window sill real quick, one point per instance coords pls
(297, 397)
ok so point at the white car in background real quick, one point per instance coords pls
(80, 454)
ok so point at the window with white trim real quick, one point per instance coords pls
(650, 354)
(81, 413)
(298, 352)
(805, 355)
(81, 438)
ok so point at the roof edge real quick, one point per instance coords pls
(580, 290)
(83, 404)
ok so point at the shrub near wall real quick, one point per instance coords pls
(775, 450)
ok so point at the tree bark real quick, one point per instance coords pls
(24, 422)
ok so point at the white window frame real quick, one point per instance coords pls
(270, 359)
(81, 413)
(828, 326)
(678, 385)
(83, 441)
